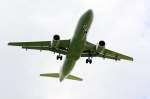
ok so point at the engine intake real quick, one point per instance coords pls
(56, 41)
(100, 46)
(102, 43)
(56, 37)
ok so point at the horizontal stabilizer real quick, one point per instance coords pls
(56, 75)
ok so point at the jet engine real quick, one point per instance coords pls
(56, 37)
(101, 46)
(101, 43)
(55, 41)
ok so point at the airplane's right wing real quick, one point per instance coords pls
(116, 55)
(44, 45)
(91, 51)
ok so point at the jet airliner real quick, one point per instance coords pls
(73, 48)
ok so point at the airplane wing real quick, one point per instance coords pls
(35, 43)
(44, 45)
(105, 53)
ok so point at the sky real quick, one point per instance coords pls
(123, 24)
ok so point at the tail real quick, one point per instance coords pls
(56, 75)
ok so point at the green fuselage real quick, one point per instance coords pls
(77, 44)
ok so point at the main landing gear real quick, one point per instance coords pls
(88, 60)
(59, 57)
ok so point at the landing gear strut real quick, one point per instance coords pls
(59, 57)
(88, 60)
(85, 30)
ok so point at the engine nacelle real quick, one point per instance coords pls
(101, 46)
(55, 41)
(101, 43)
(56, 37)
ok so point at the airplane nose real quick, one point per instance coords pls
(89, 12)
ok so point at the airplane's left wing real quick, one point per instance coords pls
(44, 45)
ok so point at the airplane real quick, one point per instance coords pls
(73, 48)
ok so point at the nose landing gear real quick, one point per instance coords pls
(85, 30)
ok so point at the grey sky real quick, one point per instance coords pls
(123, 24)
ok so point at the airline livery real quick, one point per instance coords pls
(73, 48)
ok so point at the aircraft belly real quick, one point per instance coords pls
(71, 58)
(67, 67)
(77, 50)
(77, 44)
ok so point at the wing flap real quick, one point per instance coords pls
(36, 48)
(64, 52)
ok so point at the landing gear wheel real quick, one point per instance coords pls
(59, 57)
(89, 60)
